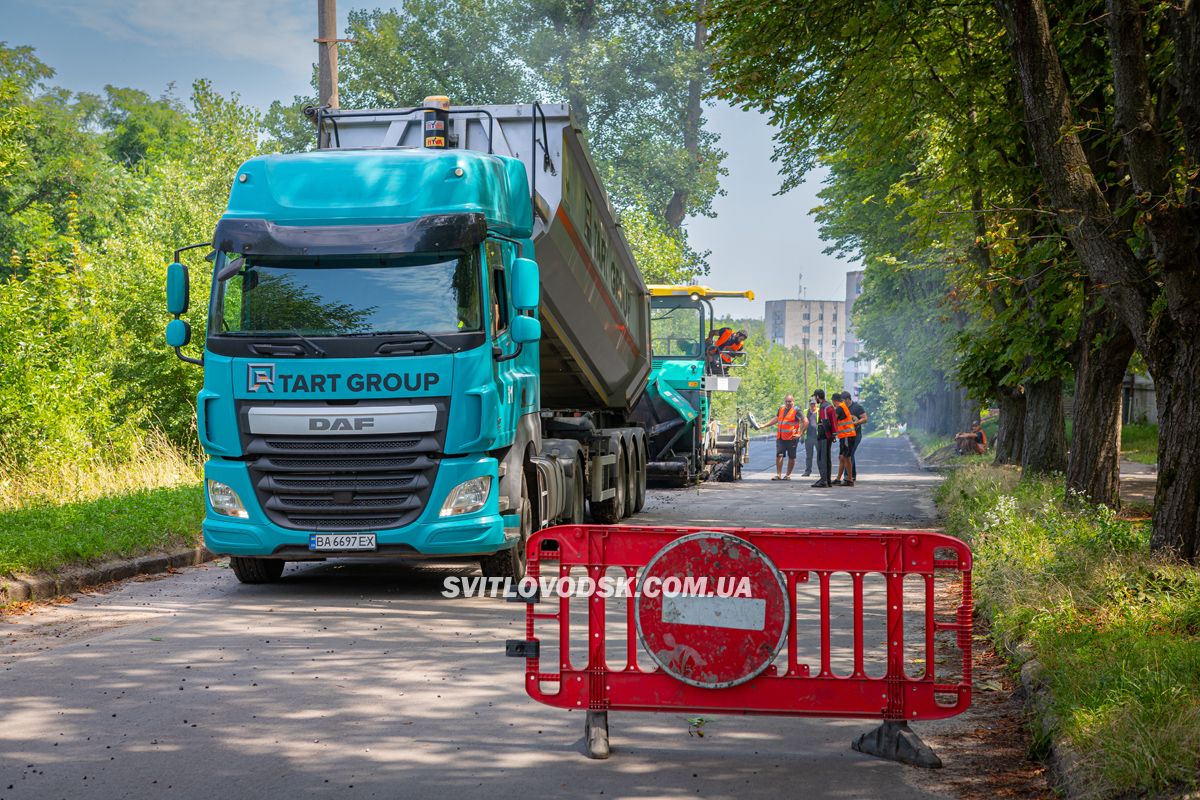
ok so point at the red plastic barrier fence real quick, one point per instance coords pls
(735, 646)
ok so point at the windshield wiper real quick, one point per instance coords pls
(435, 339)
(316, 348)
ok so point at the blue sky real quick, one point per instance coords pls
(263, 51)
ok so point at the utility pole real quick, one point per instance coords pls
(804, 330)
(327, 59)
(327, 52)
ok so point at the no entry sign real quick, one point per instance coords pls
(713, 610)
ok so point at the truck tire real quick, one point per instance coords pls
(612, 510)
(578, 496)
(256, 570)
(640, 499)
(631, 482)
(510, 562)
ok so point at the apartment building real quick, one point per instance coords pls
(818, 325)
(856, 368)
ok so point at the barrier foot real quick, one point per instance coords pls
(895, 741)
(595, 734)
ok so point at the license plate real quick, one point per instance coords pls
(341, 541)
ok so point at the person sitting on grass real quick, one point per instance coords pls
(972, 442)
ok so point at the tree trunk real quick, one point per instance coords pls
(1177, 499)
(1094, 466)
(1167, 334)
(1044, 448)
(968, 410)
(677, 206)
(1010, 437)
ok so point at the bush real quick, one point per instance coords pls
(1116, 629)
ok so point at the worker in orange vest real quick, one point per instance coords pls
(845, 435)
(790, 425)
(722, 345)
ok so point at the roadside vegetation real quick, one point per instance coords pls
(1115, 628)
(43, 538)
(1139, 443)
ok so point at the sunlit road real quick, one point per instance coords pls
(363, 681)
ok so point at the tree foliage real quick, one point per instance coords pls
(84, 372)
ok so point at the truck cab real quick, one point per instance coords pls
(373, 365)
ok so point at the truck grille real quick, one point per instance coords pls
(342, 484)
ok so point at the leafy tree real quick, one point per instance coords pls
(662, 254)
(140, 128)
(56, 165)
(1146, 255)
(910, 107)
(879, 397)
(633, 74)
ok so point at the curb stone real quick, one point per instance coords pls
(1061, 759)
(74, 579)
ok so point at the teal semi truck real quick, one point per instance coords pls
(686, 443)
(425, 339)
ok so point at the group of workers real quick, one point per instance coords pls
(839, 419)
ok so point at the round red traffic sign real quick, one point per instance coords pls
(712, 610)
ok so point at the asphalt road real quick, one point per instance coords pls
(361, 680)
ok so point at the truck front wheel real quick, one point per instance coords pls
(256, 570)
(510, 563)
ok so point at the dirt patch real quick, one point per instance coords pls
(986, 749)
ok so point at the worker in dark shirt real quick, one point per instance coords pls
(860, 417)
(810, 437)
(826, 425)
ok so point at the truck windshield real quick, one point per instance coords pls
(350, 295)
(676, 330)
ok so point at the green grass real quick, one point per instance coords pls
(1140, 443)
(43, 538)
(928, 443)
(1116, 629)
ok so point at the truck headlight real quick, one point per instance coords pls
(225, 501)
(467, 497)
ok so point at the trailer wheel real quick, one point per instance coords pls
(256, 570)
(578, 495)
(510, 563)
(640, 496)
(631, 481)
(612, 510)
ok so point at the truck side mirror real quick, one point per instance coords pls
(179, 333)
(177, 288)
(526, 285)
(525, 330)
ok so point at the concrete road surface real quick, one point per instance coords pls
(361, 680)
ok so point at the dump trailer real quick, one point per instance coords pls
(685, 442)
(425, 339)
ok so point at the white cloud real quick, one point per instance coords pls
(278, 33)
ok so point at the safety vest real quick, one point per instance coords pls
(723, 336)
(734, 348)
(845, 428)
(789, 423)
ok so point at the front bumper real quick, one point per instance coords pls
(479, 533)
